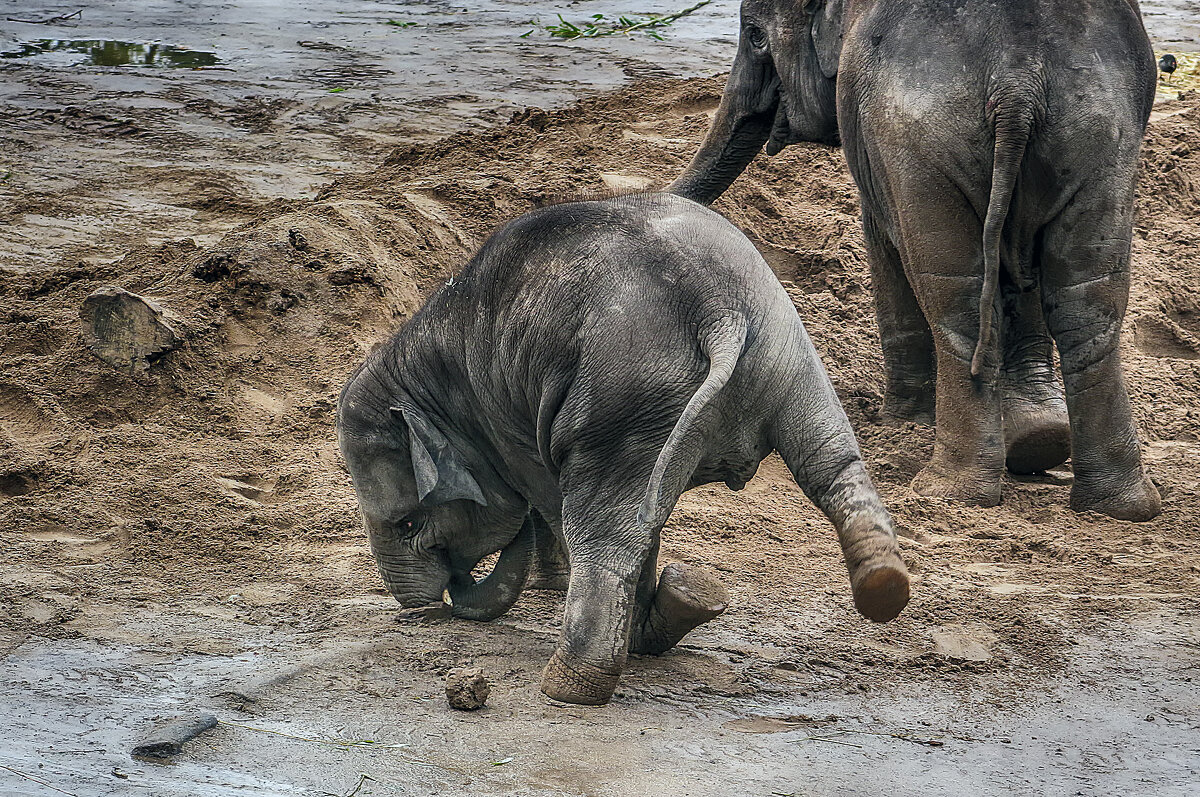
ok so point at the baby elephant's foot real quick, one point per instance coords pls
(881, 590)
(1130, 498)
(573, 681)
(686, 597)
(1036, 437)
(970, 486)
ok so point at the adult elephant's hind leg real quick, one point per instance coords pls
(943, 244)
(904, 334)
(1037, 433)
(1085, 289)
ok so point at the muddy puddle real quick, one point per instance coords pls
(77, 52)
(1173, 24)
(273, 101)
(299, 94)
(1120, 719)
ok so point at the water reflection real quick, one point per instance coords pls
(114, 53)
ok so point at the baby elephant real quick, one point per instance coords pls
(592, 362)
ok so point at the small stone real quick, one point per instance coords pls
(167, 739)
(297, 239)
(125, 330)
(466, 688)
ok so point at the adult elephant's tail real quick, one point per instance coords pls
(1013, 126)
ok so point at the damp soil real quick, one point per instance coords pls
(186, 542)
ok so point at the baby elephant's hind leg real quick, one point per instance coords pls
(684, 597)
(612, 604)
(815, 440)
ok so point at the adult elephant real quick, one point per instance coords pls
(995, 147)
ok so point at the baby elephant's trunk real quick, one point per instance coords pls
(496, 593)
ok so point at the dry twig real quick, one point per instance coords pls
(21, 774)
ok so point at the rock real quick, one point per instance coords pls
(466, 688)
(125, 330)
(167, 740)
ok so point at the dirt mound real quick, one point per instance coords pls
(216, 472)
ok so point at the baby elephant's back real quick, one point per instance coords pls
(643, 253)
(622, 295)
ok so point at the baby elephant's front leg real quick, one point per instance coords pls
(551, 568)
(594, 643)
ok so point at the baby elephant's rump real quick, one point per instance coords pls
(592, 362)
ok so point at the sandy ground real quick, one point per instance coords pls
(186, 540)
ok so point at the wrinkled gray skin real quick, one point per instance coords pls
(995, 147)
(589, 364)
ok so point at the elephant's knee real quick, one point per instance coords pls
(956, 341)
(1085, 321)
(1083, 344)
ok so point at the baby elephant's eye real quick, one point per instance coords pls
(408, 525)
(757, 36)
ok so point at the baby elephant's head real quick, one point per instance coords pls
(428, 519)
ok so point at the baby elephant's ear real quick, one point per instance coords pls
(441, 476)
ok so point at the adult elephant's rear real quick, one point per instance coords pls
(995, 145)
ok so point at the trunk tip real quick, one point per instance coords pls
(435, 612)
